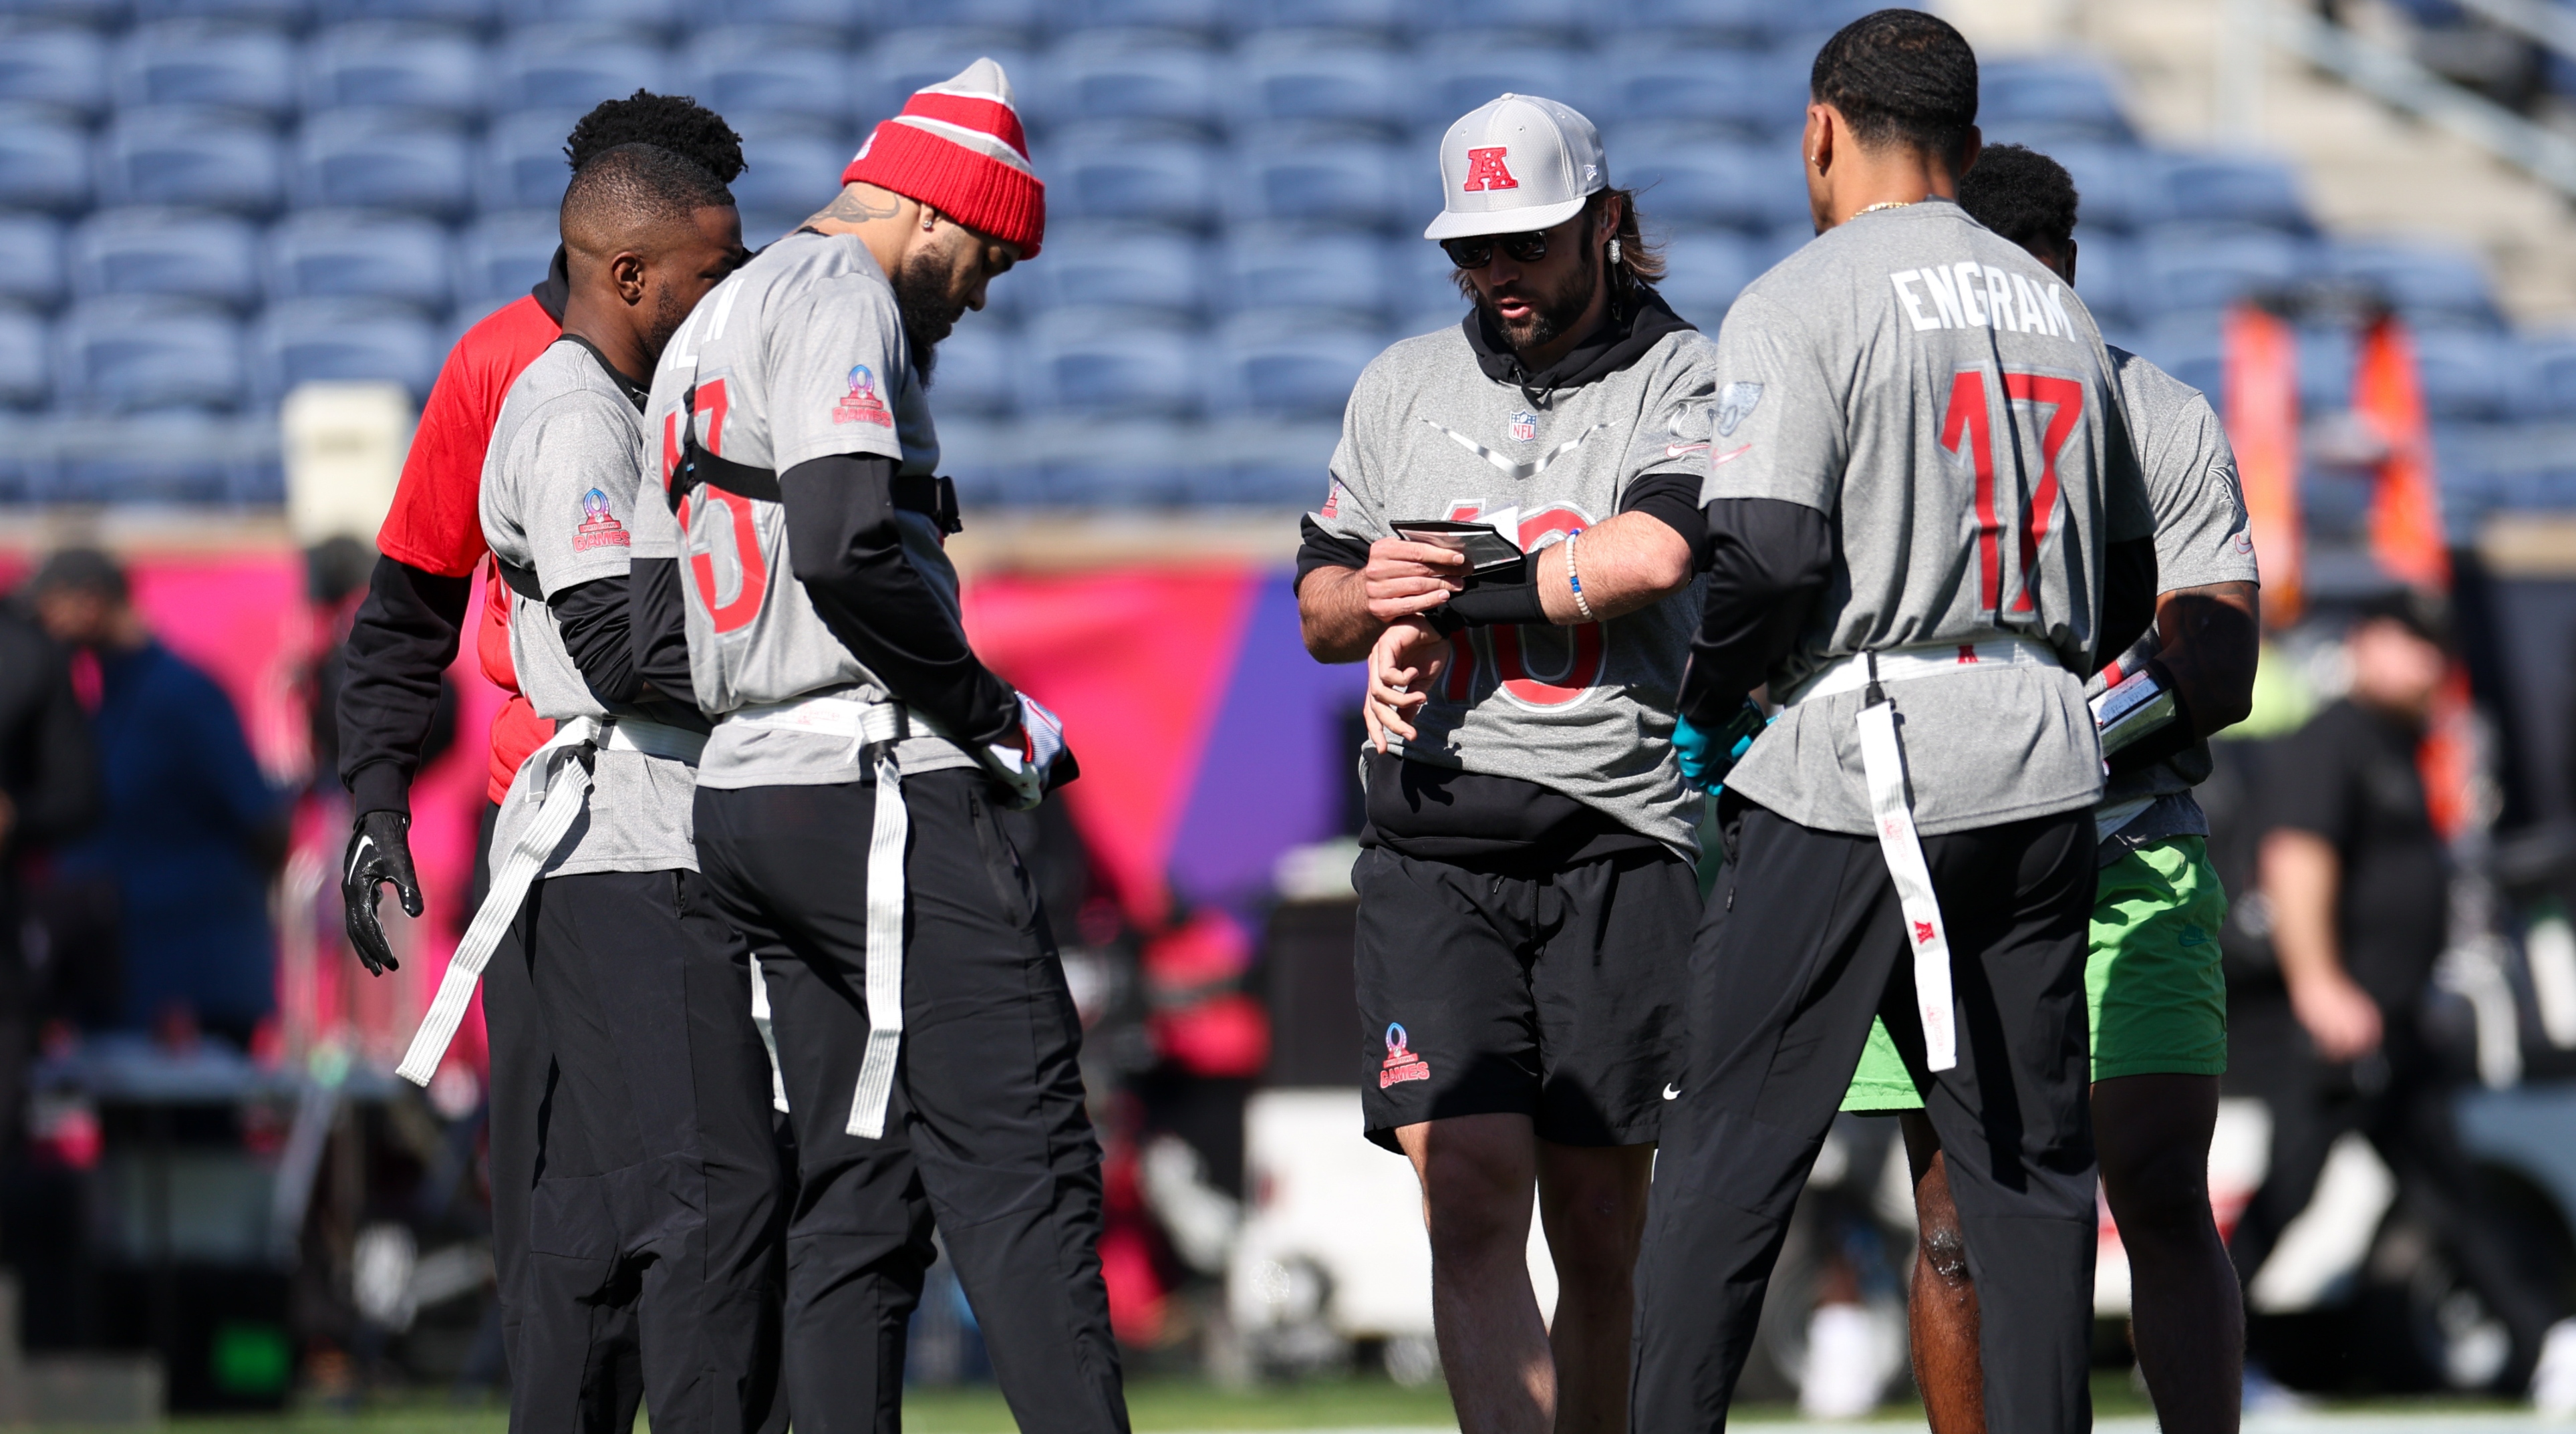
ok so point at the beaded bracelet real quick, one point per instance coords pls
(1575, 577)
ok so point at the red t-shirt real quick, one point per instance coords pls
(436, 523)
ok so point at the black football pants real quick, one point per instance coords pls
(658, 1198)
(986, 1131)
(1801, 944)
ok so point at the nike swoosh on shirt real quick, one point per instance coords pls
(1519, 471)
(1672, 1092)
(1676, 450)
(1730, 455)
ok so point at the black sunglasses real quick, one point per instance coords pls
(1478, 251)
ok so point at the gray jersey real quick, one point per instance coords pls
(559, 500)
(1947, 404)
(1586, 711)
(798, 355)
(2201, 538)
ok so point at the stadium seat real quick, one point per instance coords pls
(522, 162)
(2116, 189)
(133, 352)
(571, 67)
(1272, 464)
(1023, 18)
(2185, 267)
(174, 253)
(907, 59)
(2549, 390)
(383, 159)
(1304, 276)
(501, 256)
(765, 69)
(275, 14)
(975, 371)
(101, 15)
(793, 167)
(1418, 274)
(2235, 190)
(1703, 272)
(1121, 171)
(1120, 466)
(1287, 75)
(1648, 78)
(44, 162)
(1130, 266)
(630, 16)
(2106, 276)
(1449, 82)
(1450, 22)
(341, 339)
(1744, 22)
(25, 376)
(2428, 283)
(989, 462)
(2326, 353)
(1114, 74)
(1371, 16)
(469, 14)
(2469, 373)
(167, 457)
(1110, 363)
(186, 155)
(1688, 179)
(31, 260)
(204, 62)
(1200, 17)
(391, 63)
(58, 66)
(831, 17)
(2062, 97)
(1324, 180)
(1271, 372)
(321, 254)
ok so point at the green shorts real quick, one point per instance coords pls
(2151, 978)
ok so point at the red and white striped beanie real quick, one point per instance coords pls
(958, 147)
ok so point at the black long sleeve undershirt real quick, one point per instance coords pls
(660, 629)
(1766, 561)
(405, 635)
(845, 546)
(2128, 598)
(593, 618)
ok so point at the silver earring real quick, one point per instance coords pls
(1614, 248)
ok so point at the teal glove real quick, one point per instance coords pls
(1697, 751)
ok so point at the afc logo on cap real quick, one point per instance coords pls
(1485, 171)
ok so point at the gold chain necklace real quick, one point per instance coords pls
(1886, 204)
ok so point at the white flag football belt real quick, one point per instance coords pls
(561, 788)
(1882, 758)
(879, 725)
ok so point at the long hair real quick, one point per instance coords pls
(1640, 266)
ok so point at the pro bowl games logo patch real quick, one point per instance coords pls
(1401, 1065)
(860, 404)
(1524, 427)
(599, 527)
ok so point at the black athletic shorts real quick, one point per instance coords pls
(1558, 996)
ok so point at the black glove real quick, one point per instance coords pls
(379, 851)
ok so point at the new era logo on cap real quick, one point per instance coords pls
(1515, 164)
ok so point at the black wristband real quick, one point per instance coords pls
(1498, 606)
(1445, 620)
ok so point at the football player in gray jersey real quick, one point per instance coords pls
(846, 806)
(1924, 519)
(631, 962)
(1509, 540)
(2152, 978)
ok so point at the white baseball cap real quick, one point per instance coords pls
(1514, 164)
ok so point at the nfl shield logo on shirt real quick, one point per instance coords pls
(1524, 427)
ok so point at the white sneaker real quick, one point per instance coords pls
(1842, 1377)
(2553, 1380)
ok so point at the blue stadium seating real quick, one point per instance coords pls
(1456, 23)
(170, 457)
(2058, 99)
(95, 14)
(174, 253)
(192, 62)
(25, 377)
(1010, 17)
(44, 162)
(1272, 372)
(1305, 273)
(907, 60)
(2326, 354)
(628, 16)
(976, 374)
(502, 255)
(1704, 269)
(1196, 16)
(759, 69)
(1452, 81)
(31, 260)
(276, 14)
(2469, 373)
(407, 66)
(321, 254)
(1743, 21)
(522, 164)
(2187, 267)
(1419, 272)
(1113, 170)
(1649, 78)
(1269, 465)
(2106, 276)
(1374, 16)
(1111, 363)
(1120, 466)
(1323, 180)
(2428, 284)
(467, 13)
(1285, 75)
(2117, 189)
(134, 352)
(304, 340)
(183, 154)
(833, 17)
(1129, 266)
(383, 159)
(1123, 75)
(2549, 386)
(2187, 346)
(572, 67)
(1688, 178)
(2235, 189)
(793, 169)
(58, 66)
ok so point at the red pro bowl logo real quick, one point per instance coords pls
(861, 404)
(1401, 1064)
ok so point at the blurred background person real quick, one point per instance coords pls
(49, 794)
(2356, 883)
(192, 831)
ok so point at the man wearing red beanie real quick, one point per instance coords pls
(845, 810)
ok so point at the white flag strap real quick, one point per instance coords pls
(1883, 760)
